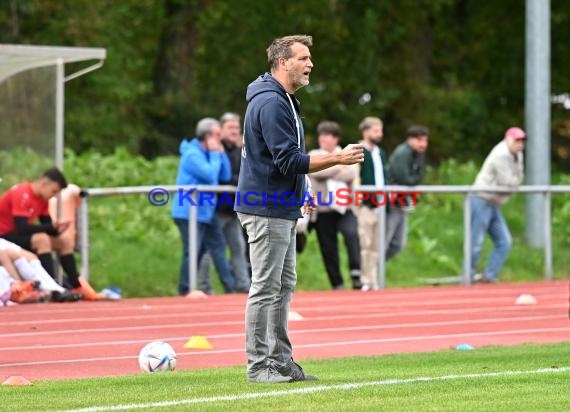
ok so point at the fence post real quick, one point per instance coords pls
(547, 235)
(84, 234)
(381, 281)
(466, 278)
(192, 241)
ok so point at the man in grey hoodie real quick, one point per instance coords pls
(502, 167)
(271, 192)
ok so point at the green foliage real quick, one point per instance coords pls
(455, 65)
(137, 247)
(21, 164)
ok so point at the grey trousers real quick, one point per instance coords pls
(396, 231)
(272, 254)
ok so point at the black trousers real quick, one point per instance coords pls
(328, 225)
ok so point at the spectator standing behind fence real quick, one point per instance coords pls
(407, 167)
(233, 232)
(273, 168)
(373, 172)
(203, 161)
(330, 217)
(504, 166)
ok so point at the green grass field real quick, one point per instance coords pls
(518, 378)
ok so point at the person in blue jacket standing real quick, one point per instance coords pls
(203, 162)
(271, 191)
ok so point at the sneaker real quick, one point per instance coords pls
(87, 290)
(26, 292)
(65, 296)
(294, 370)
(356, 283)
(339, 287)
(479, 278)
(269, 375)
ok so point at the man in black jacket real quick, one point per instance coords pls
(271, 190)
(407, 166)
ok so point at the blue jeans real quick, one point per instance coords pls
(211, 238)
(273, 256)
(487, 218)
(235, 241)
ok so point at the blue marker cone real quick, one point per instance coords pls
(464, 346)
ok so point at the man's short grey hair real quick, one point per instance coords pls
(228, 116)
(281, 47)
(205, 126)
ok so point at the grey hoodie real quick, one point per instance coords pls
(274, 161)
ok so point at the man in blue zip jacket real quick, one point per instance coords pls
(271, 191)
(203, 162)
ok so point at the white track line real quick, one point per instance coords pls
(386, 298)
(320, 388)
(310, 345)
(91, 331)
(398, 326)
(240, 313)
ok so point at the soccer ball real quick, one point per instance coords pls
(157, 357)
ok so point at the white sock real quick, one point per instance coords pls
(44, 276)
(34, 271)
(5, 283)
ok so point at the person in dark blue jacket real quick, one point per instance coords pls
(271, 192)
(203, 162)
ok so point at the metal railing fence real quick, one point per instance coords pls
(466, 191)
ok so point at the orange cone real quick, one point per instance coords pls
(16, 380)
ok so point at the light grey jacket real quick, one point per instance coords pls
(501, 168)
(330, 180)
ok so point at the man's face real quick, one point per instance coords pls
(515, 145)
(419, 144)
(231, 132)
(48, 188)
(374, 134)
(327, 142)
(299, 66)
(215, 133)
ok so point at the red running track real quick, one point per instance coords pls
(88, 339)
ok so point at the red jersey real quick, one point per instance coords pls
(20, 201)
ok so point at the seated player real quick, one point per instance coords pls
(24, 265)
(20, 209)
(17, 291)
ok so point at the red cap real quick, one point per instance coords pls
(515, 133)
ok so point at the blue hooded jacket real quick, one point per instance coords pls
(199, 167)
(274, 161)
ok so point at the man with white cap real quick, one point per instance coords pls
(503, 167)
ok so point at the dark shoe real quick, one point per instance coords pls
(294, 370)
(356, 284)
(339, 287)
(269, 375)
(65, 296)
